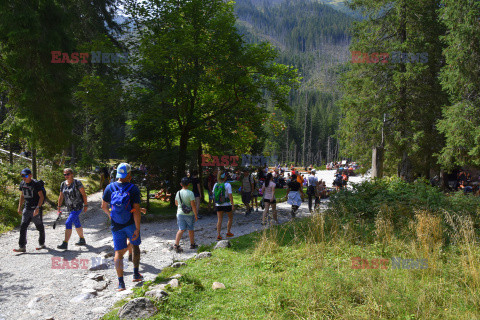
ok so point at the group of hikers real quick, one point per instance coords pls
(121, 203)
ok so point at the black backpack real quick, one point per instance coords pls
(41, 184)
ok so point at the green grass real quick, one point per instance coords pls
(284, 274)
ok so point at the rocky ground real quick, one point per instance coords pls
(57, 284)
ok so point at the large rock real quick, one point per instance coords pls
(139, 308)
(178, 264)
(156, 294)
(203, 255)
(223, 244)
(174, 283)
(218, 285)
(96, 276)
(82, 297)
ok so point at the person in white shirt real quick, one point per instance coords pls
(312, 182)
(268, 191)
(222, 195)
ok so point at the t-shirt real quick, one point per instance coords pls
(195, 185)
(71, 194)
(312, 181)
(134, 198)
(269, 191)
(228, 191)
(294, 186)
(30, 193)
(247, 183)
(187, 196)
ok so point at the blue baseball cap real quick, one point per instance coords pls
(123, 170)
(26, 171)
(185, 181)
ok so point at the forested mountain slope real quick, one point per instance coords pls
(313, 37)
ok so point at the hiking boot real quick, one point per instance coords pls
(177, 248)
(229, 234)
(137, 278)
(81, 242)
(219, 238)
(40, 247)
(247, 212)
(21, 249)
(194, 246)
(121, 287)
(256, 210)
(63, 246)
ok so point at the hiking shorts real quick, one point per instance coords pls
(185, 222)
(224, 208)
(246, 197)
(120, 237)
(73, 218)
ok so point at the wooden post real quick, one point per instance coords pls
(377, 162)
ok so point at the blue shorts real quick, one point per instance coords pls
(185, 222)
(120, 237)
(73, 218)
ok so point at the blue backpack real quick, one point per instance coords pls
(120, 203)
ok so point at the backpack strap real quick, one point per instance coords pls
(128, 188)
(180, 196)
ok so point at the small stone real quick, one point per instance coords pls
(99, 286)
(108, 255)
(33, 302)
(156, 294)
(222, 244)
(99, 310)
(218, 285)
(101, 266)
(82, 297)
(96, 276)
(176, 276)
(178, 264)
(35, 312)
(161, 286)
(137, 308)
(49, 318)
(174, 283)
(203, 255)
(89, 290)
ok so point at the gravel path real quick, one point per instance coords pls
(41, 285)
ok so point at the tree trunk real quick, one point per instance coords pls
(200, 173)
(182, 156)
(377, 162)
(10, 155)
(304, 130)
(34, 163)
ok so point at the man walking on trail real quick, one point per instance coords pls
(123, 198)
(73, 192)
(247, 190)
(311, 189)
(31, 193)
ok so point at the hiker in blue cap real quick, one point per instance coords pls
(123, 198)
(32, 194)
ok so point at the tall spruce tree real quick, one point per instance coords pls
(405, 91)
(461, 79)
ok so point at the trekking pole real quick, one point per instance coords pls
(58, 218)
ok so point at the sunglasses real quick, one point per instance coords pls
(66, 174)
(24, 175)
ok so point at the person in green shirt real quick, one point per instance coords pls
(187, 214)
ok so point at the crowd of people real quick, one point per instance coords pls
(121, 203)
